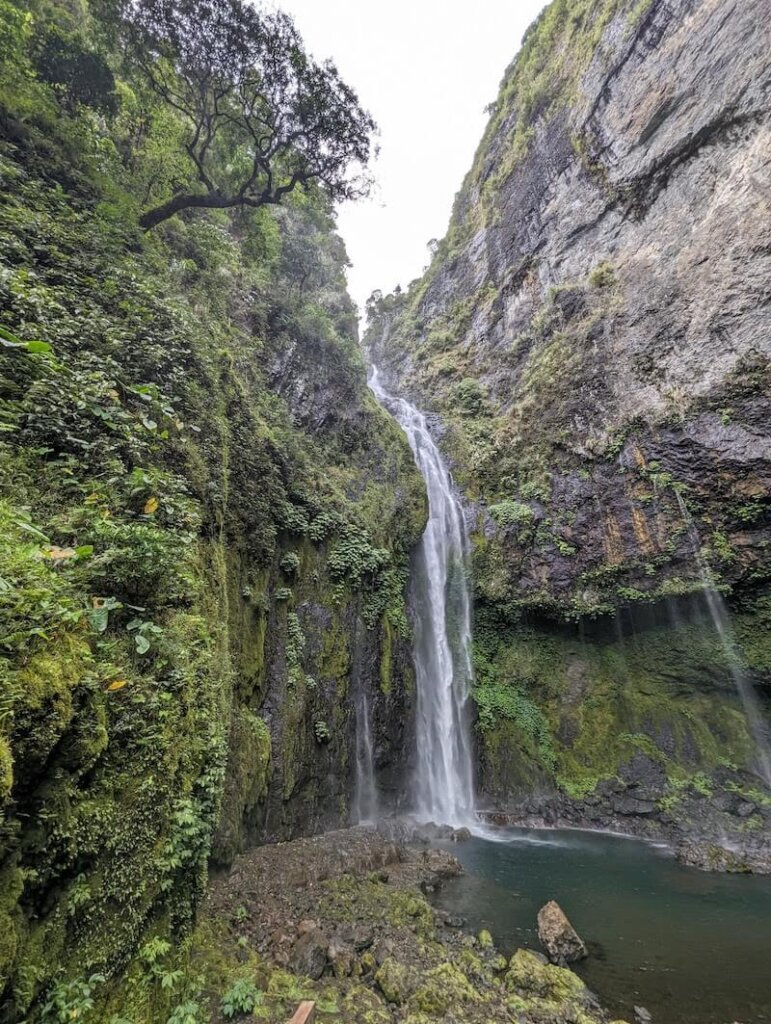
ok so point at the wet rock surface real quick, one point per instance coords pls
(325, 920)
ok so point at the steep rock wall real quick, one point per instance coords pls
(593, 337)
(206, 523)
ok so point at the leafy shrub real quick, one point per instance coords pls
(502, 700)
(71, 1001)
(290, 563)
(189, 1012)
(468, 397)
(354, 557)
(511, 513)
(77, 73)
(241, 998)
(603, 275)
(321, 731)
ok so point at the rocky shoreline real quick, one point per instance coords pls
(343, 919)
(704, 835)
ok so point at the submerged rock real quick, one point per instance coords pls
(460, 835)
(558, 936)
(455, 921)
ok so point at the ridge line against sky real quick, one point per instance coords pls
(426, 70)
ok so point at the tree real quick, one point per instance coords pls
(77, 74)
(262, 117)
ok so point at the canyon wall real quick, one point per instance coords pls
(206, 527)
(592, 339)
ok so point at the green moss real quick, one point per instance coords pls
(247, 778)
(528, 976)
(386, 658)
(554, 709)
(155, 491)
(395, 981)
(443, 988)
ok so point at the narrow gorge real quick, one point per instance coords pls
(329, 656)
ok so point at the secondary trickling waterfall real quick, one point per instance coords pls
(721, 621)
(443, 784)
(365, 799)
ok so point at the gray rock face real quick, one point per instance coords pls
(593, 342)
(609, 293)
(558, 936)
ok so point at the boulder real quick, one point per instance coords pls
(395, 981)
(309, 955)
(341, 958)
(454, 921)
(558, 936)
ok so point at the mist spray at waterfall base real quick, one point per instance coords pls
(721, 621)
(443, 784)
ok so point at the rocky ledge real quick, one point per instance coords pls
(722, 833)
(342, 919)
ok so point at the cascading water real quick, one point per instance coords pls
(443, 784)
(720, 619)
(365, 799)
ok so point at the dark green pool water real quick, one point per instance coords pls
(694, 948)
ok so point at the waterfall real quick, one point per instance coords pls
(365, 801)
(721, 621)
(443, 788)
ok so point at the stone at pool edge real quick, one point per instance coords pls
(558, 937)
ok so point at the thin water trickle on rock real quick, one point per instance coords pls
(443, 787)
(721, 621)
(366, 798)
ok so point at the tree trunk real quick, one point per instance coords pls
(186, 201)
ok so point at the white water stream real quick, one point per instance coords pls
(721, 621)
(365, 800)
(443, 785)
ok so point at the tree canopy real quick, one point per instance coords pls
(261, 117)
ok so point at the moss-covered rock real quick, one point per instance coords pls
(395, 980)
(443, 988)
(529, 975)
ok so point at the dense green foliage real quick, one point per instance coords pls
(567, 709)
(260, 118)
(186, 438)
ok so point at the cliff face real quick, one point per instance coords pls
(206, 526)
(593, 336)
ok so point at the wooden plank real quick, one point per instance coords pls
(305, 1013)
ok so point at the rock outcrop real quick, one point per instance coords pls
(558, 937)
(592, 339)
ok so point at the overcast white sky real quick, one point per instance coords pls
(425, 69)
